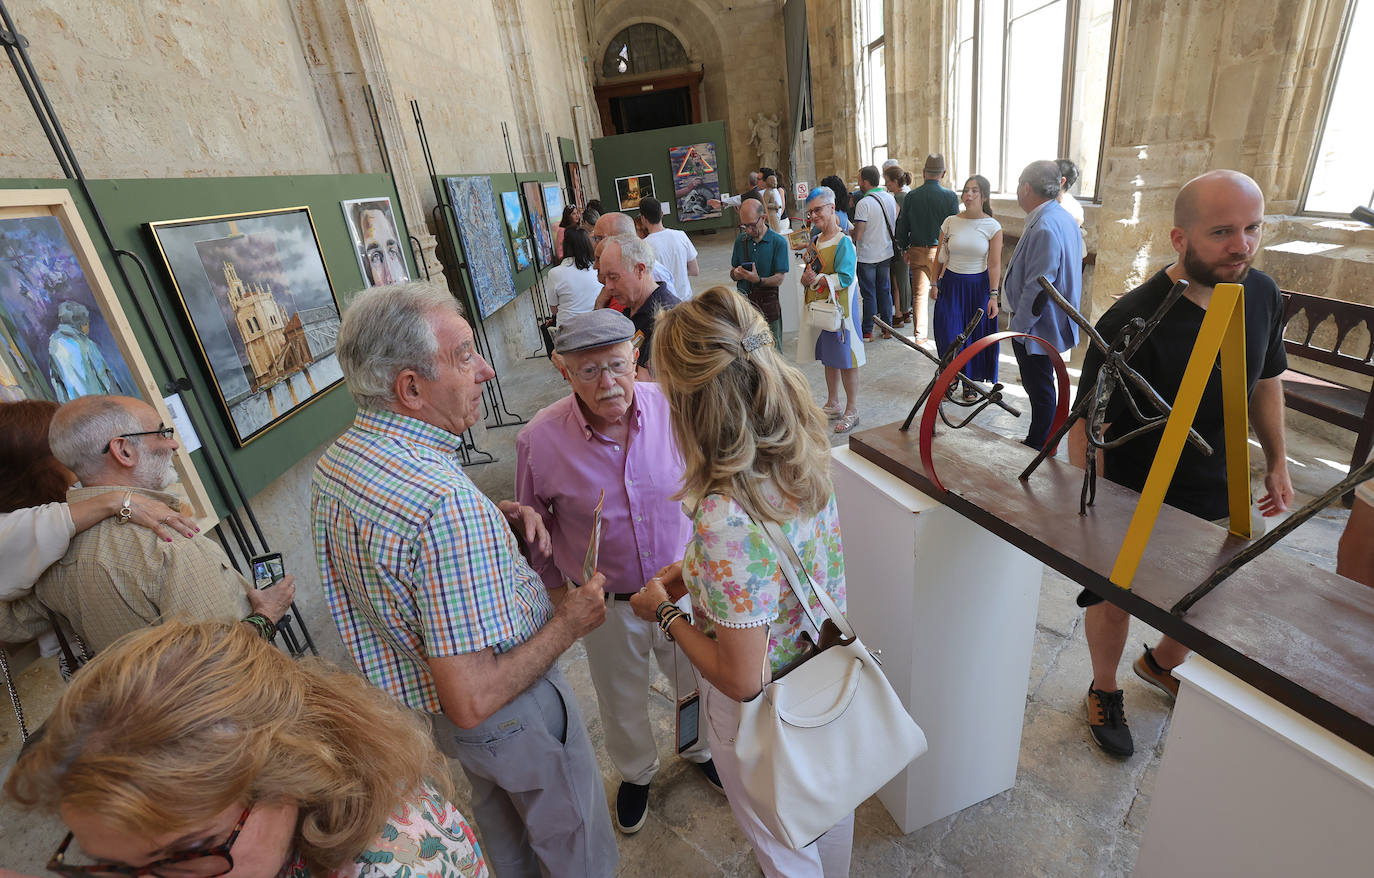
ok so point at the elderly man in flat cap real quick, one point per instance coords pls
(612, 433)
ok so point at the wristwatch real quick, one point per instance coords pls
(126, 510)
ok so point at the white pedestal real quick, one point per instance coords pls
(953, 610)
(1250, 787)
(790, 297)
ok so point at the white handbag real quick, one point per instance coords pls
(815, 744)
(825, 315)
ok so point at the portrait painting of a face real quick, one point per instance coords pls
(378, 240)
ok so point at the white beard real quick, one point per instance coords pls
(154, 472)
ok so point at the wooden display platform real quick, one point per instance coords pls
(1296, 632)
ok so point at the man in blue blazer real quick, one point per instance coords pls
(1051, 246)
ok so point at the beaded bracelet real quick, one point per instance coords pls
(264, 626)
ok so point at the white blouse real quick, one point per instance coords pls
(30, 540)
(966, 243)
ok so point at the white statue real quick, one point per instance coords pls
(763, 133)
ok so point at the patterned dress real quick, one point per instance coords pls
(731, 571)
(425, 837)
(843, 349)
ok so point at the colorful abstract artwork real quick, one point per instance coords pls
(378, 239)
(695, 180)
(261, 307)
(484, 243)
(629, 190)
(55, 343)
(539, 222)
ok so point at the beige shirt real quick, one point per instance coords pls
(117, 578)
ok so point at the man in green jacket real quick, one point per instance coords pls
(918, 234)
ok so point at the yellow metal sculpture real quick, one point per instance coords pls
(1222, 336)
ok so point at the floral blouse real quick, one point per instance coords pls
(425, 837)
(732, 574)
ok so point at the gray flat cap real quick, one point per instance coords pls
(595, 329)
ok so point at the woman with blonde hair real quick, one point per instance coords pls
(197, 750)
(755, 450)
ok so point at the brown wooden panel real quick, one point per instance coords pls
(1301, 634)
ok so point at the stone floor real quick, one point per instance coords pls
(1073, 810)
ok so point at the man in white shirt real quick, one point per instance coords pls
(672, 247)
(875, 217)
(755, 190)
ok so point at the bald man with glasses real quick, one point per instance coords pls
(115, 579)
(759, 263)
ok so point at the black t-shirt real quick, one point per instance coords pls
(1199, 483)
(643, 319)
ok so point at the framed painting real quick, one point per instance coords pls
(539, 222)
(378, 240)
(695, 180)
(553, 204)
(63, 333)
(515, 215)
(574, 175)
(629, 190)
(259, 302)
(521, 248)
(479, 222)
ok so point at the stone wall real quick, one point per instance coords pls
(739, 46)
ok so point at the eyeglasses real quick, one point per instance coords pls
(162, 430)
(187, 864)
(813, 211)
(744, 227)
(592, 371)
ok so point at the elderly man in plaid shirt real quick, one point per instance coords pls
(434, 598)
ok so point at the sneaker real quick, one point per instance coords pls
(1107, 721)
(631, 807)
(708, 771)
(1147, 669)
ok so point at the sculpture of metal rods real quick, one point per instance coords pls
(984, 398)
(1092, 407)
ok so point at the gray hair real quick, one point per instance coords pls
(1043, 178)
(73, 314)
(755, 177)
(82, 428)
(634, 251)
(387, 330)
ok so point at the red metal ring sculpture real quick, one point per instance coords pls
(946, 377)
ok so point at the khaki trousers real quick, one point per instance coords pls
(924, 270)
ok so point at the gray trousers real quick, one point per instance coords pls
(537, 793)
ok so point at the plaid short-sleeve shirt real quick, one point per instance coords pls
(415, 560)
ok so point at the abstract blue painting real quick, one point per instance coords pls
(484, 242)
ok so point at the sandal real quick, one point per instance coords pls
(847, 423)
(833, 412)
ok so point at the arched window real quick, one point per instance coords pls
(642, 48)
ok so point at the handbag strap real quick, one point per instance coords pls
(794, 572)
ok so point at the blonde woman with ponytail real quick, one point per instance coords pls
(755, 450)
(200, 750)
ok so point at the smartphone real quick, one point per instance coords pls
(747, 266)
(688, 721)
(267, 570)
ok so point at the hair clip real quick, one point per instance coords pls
(753, 342)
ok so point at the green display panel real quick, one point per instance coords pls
(646, 152)
(500, 183)
(128, 205)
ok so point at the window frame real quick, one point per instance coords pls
(867, 44)
(1329, 93)
(1068, 82)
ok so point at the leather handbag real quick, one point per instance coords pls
(816, 743)
(825, 315)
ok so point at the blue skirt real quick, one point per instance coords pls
(960, 296)
(836, 349)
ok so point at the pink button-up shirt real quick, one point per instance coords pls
(561, 466)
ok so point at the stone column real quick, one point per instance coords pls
(830, 33)
(920, 44)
